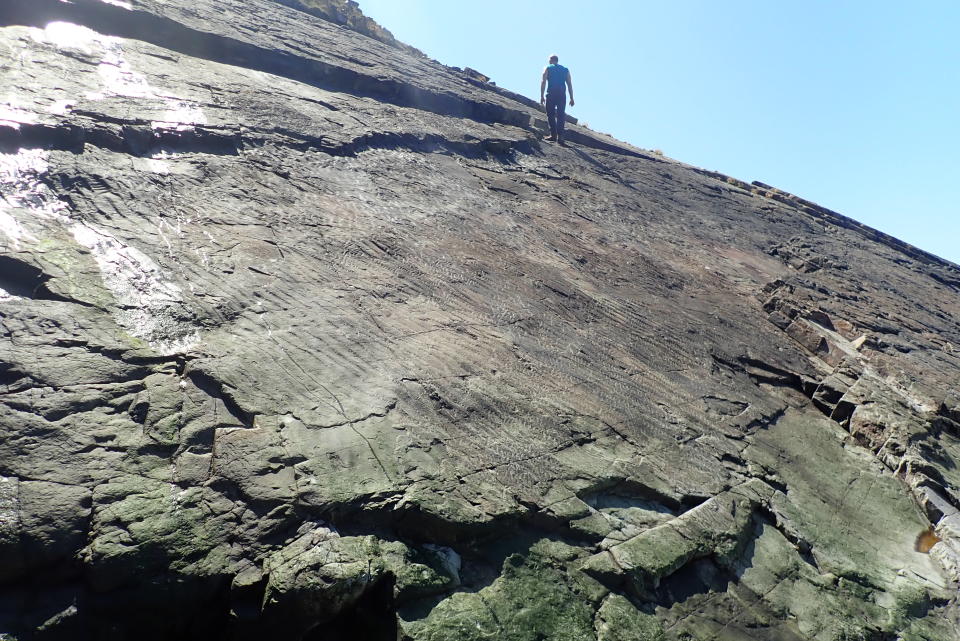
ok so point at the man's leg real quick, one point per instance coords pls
(552, 116)
(561, 115)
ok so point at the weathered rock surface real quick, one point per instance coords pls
(307, 336)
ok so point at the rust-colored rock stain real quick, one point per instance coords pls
(926, 540)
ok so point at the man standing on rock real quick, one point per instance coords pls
(556, 79)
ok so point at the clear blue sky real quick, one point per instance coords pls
(852, 104)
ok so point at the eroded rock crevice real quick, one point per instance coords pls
(140, 139)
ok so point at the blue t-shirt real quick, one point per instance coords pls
(557, 79)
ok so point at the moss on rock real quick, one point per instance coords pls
(619, 620)
(534, 599)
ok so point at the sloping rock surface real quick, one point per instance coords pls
(306, 336)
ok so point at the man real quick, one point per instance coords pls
(556, 79)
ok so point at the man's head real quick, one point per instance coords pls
(554, 59)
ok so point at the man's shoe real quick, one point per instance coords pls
(552, 138)
(561, 143)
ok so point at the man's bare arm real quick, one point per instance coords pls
(543, 85)
(570, 87)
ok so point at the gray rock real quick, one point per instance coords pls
(308, 336)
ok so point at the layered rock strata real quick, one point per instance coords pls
(306, 336)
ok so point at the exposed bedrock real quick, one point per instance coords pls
(306, 336)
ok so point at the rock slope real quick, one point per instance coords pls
(306, 336)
